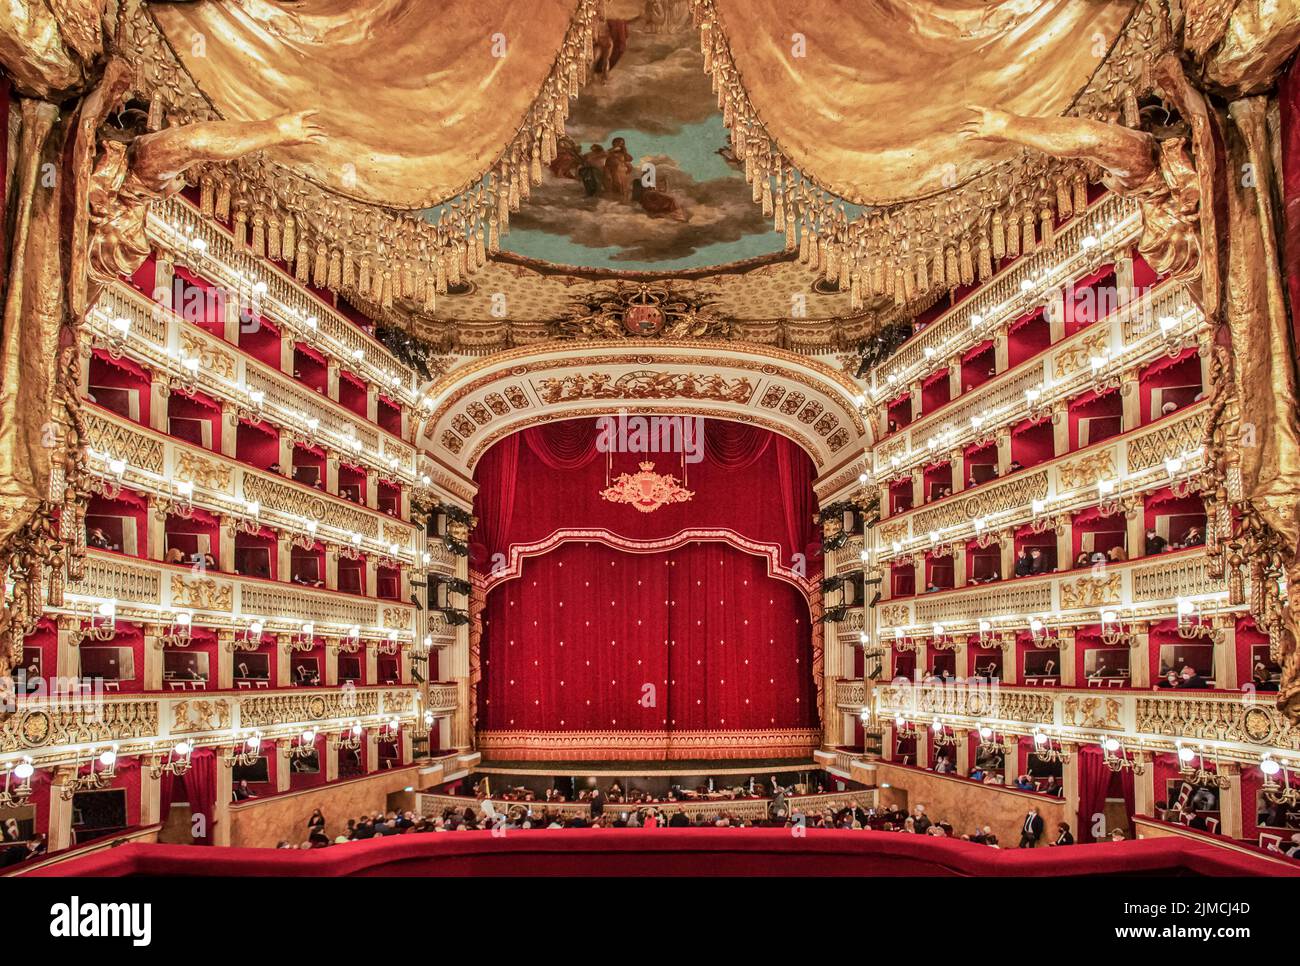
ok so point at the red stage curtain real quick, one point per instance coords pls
(734, 445)
(494, 504)
(1094, 780)
(527, 493)
(591, 638)
(567, 445)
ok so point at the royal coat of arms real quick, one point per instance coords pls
(646, 490)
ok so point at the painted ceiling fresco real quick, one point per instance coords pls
(645, 180)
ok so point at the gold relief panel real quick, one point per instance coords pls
(200, 471)
(496, 403)
(1004, 496)
(1090, 591)
(201, 593)
(1217, 720)
(1080, 355)
(289, 499)
(837, 439)
(894, 615)
(891, 533)
(276, 709)
(642, 384)
(200, 714)
(451, 441)
(1091, 712)
(772, 395)
(517, 398)
(111, 720)
(1086, 470)
(210, 358)
(397, 618)
(121, 442)
(398, 702)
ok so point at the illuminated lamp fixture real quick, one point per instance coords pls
(389, 646)
(1191, 765)
(250, 521)
(1041, 522)
(304, 745)
(941, 735)
(348, 739)
(102, 626)
(351, 644)
(183, 505)
(905, 644)
(1102, 383)
(1114, 632)
(941, 640)
(1036, 401)
(95, 778)
(111, 489)
(1191, 626)
(1049, 749)
(990, 741)
(119, 333)
(1278, 793)
(307, 539)
(1114, 757)
(187, 381)
(179, 632)
(176, 762)
(1176, 341)
(247, 752)
(904, 728)
(305, 639)
(986, 632)
(391, 731)
(16, 795)
(1040, 637)
(247, 640)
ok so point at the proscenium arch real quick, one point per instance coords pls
(800, 398)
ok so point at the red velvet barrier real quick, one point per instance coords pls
(696, 852)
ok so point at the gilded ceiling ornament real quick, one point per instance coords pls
(641, 312)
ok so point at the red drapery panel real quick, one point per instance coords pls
(201, 789)
(593, 642)
(1289, 102)
(755, 484)
(566, 445)
(1094, 780)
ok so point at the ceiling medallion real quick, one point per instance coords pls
(646, 490)
(641, 312)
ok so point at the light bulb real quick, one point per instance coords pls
(1269, 767)
(107, 758)
(1186, 754)
(117, 466)
(255, 628)
(24, 770)
(183, 748)
(1111, 745)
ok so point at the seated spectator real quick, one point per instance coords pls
(1063, 836)
(1155, 543)
(1194, 537)
(1117, 835)
(1024, 784)
(1116, 554)
(978, 774)
(1190, 679)
(98, 539)
(174, 556)
(243, 792)
(1170, 680)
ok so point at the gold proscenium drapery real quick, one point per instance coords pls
(871, 119)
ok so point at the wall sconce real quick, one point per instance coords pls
(389, 646)
(348, 740)
(1191, 626)
(1049, 749)
(391, 732)
(14, 796)
(1191, 765)
(176, 763)
(102, 627)
(119, 333)
(305, 639)
(179, 633)
(304, 745)
(1116, 759)
(246, 752)
(1278, 794)
(990, 741)
(94, 778)
(1114, 632)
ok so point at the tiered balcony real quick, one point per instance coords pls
(1233, 727)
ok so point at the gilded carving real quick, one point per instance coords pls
(188, 465)
(644, 384)
(211, 359)
(1090, 591)
(200, 714)
(201, 593)
(1086, 470)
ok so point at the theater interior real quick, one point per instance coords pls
(634, 438)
